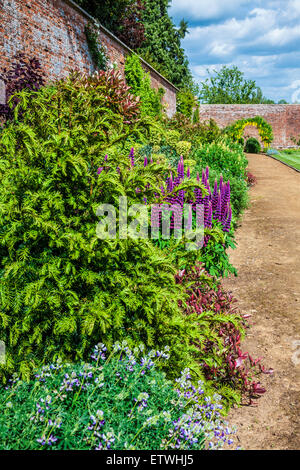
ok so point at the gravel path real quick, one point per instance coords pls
(268, 287)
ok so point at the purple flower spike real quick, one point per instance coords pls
(218, 212)
(145, 161)
(198, 176)
(100, 169)
(228, 222)
(131, 156)
(105, 158)
(221, 182)
(207, 172)
(180, 169)
(188, 173)
(215, 196)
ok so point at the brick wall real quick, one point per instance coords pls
(53, 31)
(284, 119)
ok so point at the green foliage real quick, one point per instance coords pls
(97, 50)
(195, 132)
(215, 258)
(186, 103)
(172, 137)
(226, 158)
(162, 45)
(235, 130)
(62, 288)
(252, 146)
(228, 86)
(120, 403)
(183, 148)
(140, 84)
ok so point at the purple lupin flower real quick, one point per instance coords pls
(218, 211)
(105, 158)
(180, 168)
(227, 224)
(221, 182)
(100, 169)
(170, 183)
(131, 156)
(188, 173)
(224, 215)
(145, 161)
(215, 196)
(207, 172)
(209, 221)
(207, 204)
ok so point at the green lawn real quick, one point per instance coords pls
(291, 158)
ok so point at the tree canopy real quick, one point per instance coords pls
(121, 17)
(146, 27)
(162, 45)
(228, 86)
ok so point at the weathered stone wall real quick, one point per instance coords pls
(53, 31)
(284, 118)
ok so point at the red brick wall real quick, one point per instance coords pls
(53, 31)
(284, 118)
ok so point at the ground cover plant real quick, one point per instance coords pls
(114, 401)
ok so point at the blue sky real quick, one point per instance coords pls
(261, 37)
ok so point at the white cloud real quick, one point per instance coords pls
(261, 37)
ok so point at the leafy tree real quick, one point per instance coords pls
(121, 17)
(282, 102)
(228, 86)
(162, 45)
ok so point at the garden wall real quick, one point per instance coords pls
(284, 118)
(53, 31)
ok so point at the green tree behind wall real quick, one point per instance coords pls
(162, 45)
(228, 86)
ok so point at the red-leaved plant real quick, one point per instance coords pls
(223, 361)
(119, 98)
(251, 179)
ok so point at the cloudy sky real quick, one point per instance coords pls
(261, 37)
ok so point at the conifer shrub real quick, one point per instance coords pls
(62, 288)
(140, 84)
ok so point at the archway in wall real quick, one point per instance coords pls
(252, 131)
(237, 129)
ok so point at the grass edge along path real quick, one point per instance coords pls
(282, 158)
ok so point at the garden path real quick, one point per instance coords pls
(268, 287)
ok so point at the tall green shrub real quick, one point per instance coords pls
(140, 84)
(62, 289)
